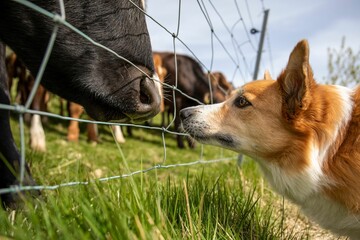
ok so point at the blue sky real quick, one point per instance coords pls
(322, 22)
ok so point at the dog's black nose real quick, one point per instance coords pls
(185, 113)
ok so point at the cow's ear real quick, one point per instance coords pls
(267, 75)
(296, 81)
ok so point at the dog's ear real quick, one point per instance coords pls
(267, 75)
(296, 81)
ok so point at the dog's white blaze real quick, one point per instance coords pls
(208, 113)
(37, 135)
(210, 110)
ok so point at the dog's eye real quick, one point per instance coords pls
(241, 102)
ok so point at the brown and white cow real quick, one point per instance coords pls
(17, 69)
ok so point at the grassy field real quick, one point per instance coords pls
(204, 201)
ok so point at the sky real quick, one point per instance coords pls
(232, 49)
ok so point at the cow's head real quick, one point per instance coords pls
(220, 87)
(110, 88)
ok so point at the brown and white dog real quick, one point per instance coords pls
(304, 135)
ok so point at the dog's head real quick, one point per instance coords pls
(262, 118)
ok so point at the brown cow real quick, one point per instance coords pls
(219, 81)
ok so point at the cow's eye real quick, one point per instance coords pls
(241, 102)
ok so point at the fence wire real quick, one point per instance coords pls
(235, 55)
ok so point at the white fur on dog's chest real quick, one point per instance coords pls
(304, 189)
(295, 186)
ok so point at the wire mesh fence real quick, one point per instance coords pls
(234, 53)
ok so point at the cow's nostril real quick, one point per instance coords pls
(149, 97)
(145, 98)
(146, 94)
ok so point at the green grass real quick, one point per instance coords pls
(213, 201)
(146, 209)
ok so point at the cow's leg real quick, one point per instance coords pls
(45, 97)
(92, 132)
(24, 87)
(129, 131)
(9, 155)
(37, 134)
(75, 111)
(119, 137)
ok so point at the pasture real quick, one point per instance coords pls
(146, 188)
(204, 201)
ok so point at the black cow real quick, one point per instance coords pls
(109, 88)
(192, 81)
